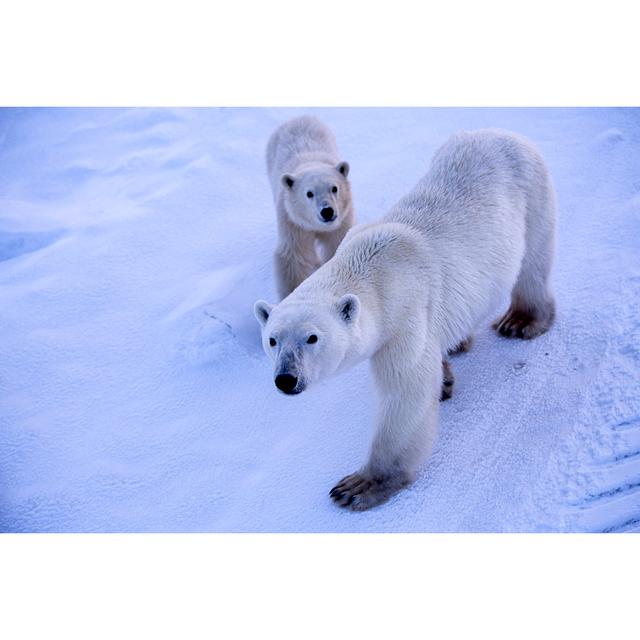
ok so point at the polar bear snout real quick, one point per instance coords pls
(288, 376)
(288, 383)
(328, 214)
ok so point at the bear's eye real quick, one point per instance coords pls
(313, 338)
(272, 342)
(334, 189)
(309, 194)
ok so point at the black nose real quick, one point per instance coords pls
(286, 382)
(327, 214)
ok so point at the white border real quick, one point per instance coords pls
(322, 53)
(319, 586)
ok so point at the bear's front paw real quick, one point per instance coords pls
(359, 491)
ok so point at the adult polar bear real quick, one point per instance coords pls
(405, 290)
(312, 196)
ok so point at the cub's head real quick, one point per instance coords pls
(318, 200)
(307, 342)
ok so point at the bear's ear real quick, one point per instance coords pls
(349, 307)
(262, 309)
(343, 168)
(287, 180)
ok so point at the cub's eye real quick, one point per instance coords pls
(309, 194)
(334, 189)
(313, 338)
(272, 342)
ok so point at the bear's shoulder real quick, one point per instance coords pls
(366, 244)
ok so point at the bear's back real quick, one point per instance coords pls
(475, 178)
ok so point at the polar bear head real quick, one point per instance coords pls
(319, 198)
(308, 341)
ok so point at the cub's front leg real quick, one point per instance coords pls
(329, 242)
(405, 433)
(295, 258)
(292, 268)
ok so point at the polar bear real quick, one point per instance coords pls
(312, 196)
(405, 290)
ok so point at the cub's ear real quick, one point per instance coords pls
(349, 307)
(262, 309)
(343, 168)
(287, 180)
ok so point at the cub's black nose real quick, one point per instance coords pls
(328, 214)
(286, 382)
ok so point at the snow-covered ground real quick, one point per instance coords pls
(134, 394)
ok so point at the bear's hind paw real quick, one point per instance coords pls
(516, 323)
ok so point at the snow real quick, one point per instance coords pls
(134, 392)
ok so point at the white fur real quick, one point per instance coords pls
(302, 158)
(480, 224)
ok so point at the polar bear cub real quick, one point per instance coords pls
(406, 289)
(312, 197)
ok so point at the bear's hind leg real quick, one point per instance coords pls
(532, 308)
